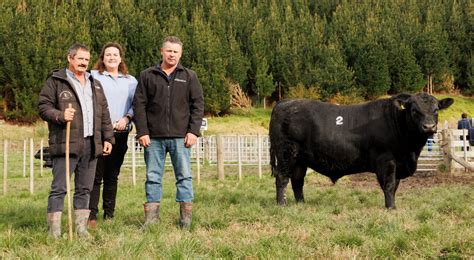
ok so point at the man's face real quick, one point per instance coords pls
(79, 63)
(171, 53)
(112, 58)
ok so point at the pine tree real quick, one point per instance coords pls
(405, 73)
(105, 26)
(209, 65)
(371, 71)
(264, 85)
(461, 45)
(431, 49)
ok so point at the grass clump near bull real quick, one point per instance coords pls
(385, 137)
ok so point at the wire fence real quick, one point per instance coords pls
(28, 158)
(252, 149)
(25, 158)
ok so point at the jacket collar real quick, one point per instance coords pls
(61, 74)
(157, 67)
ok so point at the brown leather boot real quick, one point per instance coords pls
(152, 213)
(186, 213)
(54, 224)
(80, 219)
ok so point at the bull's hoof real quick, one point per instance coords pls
(282, 202)
(300, 201)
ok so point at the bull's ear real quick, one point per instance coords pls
(401, 100)
(445, 103)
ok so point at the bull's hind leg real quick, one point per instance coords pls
(297, 182)
(281, 182)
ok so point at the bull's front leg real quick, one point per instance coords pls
(281, 182)
(386, 176)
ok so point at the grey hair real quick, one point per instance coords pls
(72, 51)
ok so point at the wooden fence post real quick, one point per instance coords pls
(5, 165)
(465, 145)
(134, 163)
(239, 157)
(198, 160)
(220, 158)
(449, 150)
(41, 157)
(31, 167)
(206, 155)
(24, 158)
(259, 149)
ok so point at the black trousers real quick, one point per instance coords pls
(107, 172)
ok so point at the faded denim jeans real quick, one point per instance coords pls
(155, 156)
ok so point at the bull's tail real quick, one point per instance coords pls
(273, 160)
(273, 132)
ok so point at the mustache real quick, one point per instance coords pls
(82, 65)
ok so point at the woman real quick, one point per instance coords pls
(119, 88)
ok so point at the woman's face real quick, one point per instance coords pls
(112, 58)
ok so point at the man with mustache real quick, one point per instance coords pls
(72, 95)
(169, 107)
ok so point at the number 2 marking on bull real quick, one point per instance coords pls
(339, 120)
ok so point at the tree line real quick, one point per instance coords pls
(327, 49)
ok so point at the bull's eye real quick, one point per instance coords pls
(416, 112)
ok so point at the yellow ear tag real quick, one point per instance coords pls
(403, 107)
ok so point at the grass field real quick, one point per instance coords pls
(235, 219)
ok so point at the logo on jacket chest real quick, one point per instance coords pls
(180, 80)
(65, 95)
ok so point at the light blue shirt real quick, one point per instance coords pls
(84, 92)
(119, 93)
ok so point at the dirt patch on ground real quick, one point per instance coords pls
(416, 181)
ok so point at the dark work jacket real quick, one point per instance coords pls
(54, 98)
(168, 108)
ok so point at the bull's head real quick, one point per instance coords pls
(421, 110)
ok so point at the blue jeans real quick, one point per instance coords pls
(155, 156)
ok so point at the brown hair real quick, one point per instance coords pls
(171, 39)
(100, 66)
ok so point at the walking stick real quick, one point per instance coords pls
(68, 178)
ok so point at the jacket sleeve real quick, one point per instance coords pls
(140, 101)
(48, 104)
(196, 105)
(107, 128)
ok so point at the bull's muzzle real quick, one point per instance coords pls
(429, 128)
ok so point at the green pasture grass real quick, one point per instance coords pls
(461, 105)
(252, 121)
(237, 219)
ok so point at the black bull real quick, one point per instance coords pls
(384, 137)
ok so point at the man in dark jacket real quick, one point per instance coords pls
(169, 107)
(91, 134)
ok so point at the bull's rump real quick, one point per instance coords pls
(330, 139)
